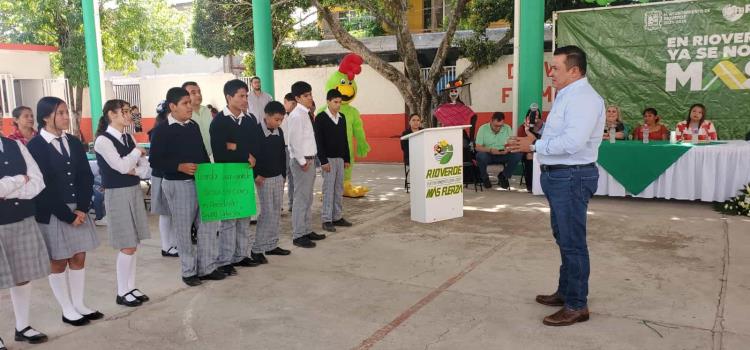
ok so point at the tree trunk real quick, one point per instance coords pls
(419, 94)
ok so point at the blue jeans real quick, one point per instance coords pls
(510, 161)
(98, 202)
(568, 192)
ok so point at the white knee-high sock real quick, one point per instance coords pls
(131, 275)
(59, 284)
(77, 280)
(21, 297)
(124, 263)
(165, 226)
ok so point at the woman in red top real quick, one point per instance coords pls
(23, 119)
(696, 123)
(656, 131)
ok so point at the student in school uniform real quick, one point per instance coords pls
(23, 256)
(121, 165)
(289, 104)
(333, 153)
(62, 208)
(159, 205)
(177, 149)
(231, 137)
(270, 171)
(302, 151)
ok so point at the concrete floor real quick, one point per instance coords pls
(665, 275)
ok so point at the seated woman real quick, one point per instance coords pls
(696, 124)
(415, 124)
(615, 121)
(656, 131)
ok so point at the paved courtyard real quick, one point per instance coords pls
(664, 275)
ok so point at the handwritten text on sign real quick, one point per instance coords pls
(225, 191)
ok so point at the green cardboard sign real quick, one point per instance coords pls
(225, 191)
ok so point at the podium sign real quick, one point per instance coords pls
(436, 173)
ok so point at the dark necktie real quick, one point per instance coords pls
(62, 148)
(125, 140)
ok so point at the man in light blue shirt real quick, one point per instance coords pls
(567, 152)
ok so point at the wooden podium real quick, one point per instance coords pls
(436, 173)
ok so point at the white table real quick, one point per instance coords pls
(711, 173)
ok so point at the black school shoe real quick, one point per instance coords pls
(247, 262)
(304, 242)
(76, 323)
(142, 297)
(34, 339)
(192, 281)
(328, 226)
(122, 300)
(168, 254)
(342, 222)
(278, 251)
(315, 237)
(259, 258)
(96, 315)
(215, 275)
(228, 270)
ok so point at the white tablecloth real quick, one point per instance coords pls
(708, 173)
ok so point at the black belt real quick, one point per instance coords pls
(546, 168)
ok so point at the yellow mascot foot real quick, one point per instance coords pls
(354, 191)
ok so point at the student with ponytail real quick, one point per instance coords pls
(122, 164)
(159, 203)
(62, 207)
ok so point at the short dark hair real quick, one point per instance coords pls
(574, 57)
(231, 87)
(189, 83)
(289, 97)
(651, 110)
(300, 88)
(498, 116)
(333, 93)
(254, 77)
(413, 114)
(174, 95)
(274, 107)
(46, 107)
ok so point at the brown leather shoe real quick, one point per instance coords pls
(550, 300)
(567, 317)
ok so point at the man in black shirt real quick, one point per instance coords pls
(333, 153)
(232, 133)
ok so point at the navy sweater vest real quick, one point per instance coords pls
(12, 164)
(112, 178)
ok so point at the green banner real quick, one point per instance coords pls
(225, 191)
(668, 56)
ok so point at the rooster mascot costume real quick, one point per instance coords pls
(343, 81)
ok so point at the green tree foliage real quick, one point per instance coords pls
(132, 30)
(225, 27)
(285, 57)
